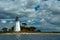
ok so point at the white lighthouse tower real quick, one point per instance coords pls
(17, 25)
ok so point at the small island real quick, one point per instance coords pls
(24, 28)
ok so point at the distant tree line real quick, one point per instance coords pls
(24, 28)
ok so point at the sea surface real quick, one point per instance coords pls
(31, 37)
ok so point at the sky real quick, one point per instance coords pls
(44, 14)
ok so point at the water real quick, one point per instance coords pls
(31, 37)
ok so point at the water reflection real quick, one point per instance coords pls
(22, 37)
(26, 37)
(30, 37)
(17, 37)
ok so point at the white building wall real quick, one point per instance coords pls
(17, 26)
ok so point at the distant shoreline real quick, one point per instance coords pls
(26, 33)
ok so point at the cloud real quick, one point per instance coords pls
(53, 6)
(3, 21)
(11, 22)
(48, 14)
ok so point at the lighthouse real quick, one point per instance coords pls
(17, 25)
